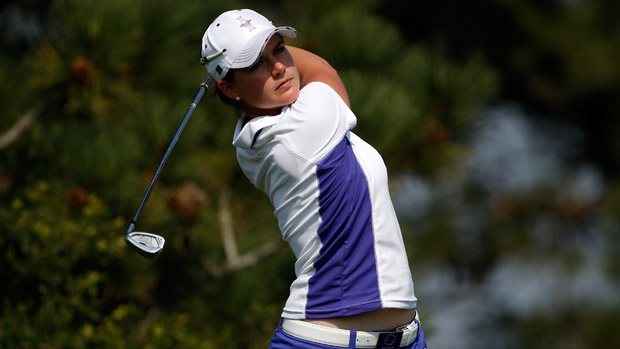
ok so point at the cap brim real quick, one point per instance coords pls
(251, 53)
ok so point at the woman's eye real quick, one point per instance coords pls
(256, 65)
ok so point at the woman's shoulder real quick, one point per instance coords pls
(320, 92)
(317, 86)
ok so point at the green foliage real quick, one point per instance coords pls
(13, 92)
(368, 42)
(578, 39)
(598, 330)
(52, 287)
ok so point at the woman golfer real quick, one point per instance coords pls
(328, 187)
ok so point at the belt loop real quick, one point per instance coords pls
(352, 339)
(419, 329)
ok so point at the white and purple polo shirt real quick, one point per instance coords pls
(330, 192)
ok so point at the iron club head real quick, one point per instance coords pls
(147, 244)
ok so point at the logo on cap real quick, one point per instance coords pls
(246, 23)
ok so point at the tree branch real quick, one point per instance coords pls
(234, 261)
(226, 223)
(20, 127)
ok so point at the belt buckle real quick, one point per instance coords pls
(389, 340)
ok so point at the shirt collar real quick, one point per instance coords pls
(247, 131)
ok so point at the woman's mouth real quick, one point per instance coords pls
(285, 85)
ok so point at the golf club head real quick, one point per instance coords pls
(147, 244)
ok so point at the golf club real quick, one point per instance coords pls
(147, 244)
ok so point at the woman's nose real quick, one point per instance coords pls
(278, 68)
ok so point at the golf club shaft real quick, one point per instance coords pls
(204, 86)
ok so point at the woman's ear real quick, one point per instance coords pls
(227, 89)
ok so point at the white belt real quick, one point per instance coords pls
(340, 338)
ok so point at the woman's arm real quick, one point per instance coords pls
(314, 68)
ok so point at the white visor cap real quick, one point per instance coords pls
(236, 39)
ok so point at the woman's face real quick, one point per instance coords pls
(268, 85)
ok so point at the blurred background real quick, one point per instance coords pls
(499, 121)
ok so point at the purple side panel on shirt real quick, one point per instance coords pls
(345, 282)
